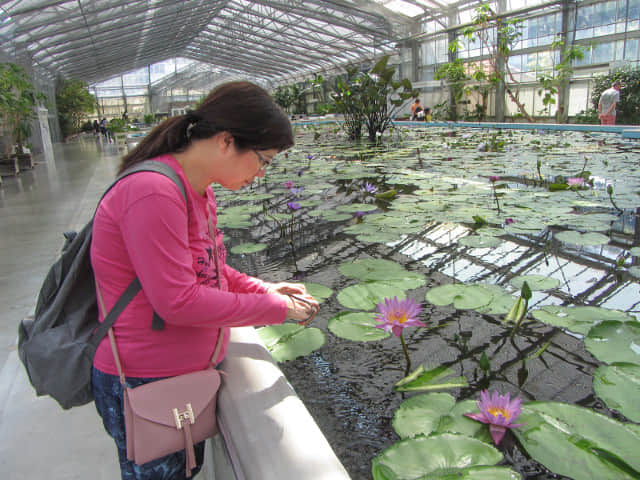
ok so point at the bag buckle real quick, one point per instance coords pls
(186, 415)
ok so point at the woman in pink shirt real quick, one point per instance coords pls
(144, 228)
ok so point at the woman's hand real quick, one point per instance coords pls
(286, 288)
(302, 308)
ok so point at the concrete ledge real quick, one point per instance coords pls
(268, 431)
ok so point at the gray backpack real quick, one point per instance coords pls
(58, 343)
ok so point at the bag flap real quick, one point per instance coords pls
(155, 401)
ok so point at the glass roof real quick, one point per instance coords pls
(266, 40)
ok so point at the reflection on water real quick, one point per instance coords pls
(442, 184)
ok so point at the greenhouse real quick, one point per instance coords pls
(443, 195)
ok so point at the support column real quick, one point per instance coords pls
(499, 100)
(568, 35)
(124, 95)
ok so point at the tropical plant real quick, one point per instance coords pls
(370, 98)
(18, 98)
(148, 118)
(74, 103)
(554, 80)
(499, 37)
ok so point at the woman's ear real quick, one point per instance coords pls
(226, 141)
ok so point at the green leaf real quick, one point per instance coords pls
(475, 296)
(535, 282)
(577, 238)
(480, 241)
(577, 442)
(248, 248)
(376, 269)
(366, 296)
(416, 457)
(318, 291)
(356, 326)
(429, 380)
(289, 341)
(578, 319)
(614, 342)
(437, 413)
(619, 386)
(485, 364)
(388, 195)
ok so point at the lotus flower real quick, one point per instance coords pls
(370, 188)
(499, 411)
(395, 315)
(293, 206)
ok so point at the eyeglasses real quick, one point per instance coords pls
(264, 161)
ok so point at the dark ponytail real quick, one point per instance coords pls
(243, 109)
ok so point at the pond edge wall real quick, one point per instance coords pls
(268, 432)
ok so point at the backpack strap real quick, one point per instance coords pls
(134, 287)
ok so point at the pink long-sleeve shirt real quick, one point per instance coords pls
(144, 228)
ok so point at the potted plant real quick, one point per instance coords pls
(18, 100)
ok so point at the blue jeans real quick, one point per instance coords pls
(107, 391)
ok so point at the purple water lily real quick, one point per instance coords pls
(293, 206)
(296, 192)
(309, 157)
(499, 411)
(300, 172)
(396, 315)
(509, 221)
(370, 188)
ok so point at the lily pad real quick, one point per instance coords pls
(619, 386)
(613, 342)
(356, 326)
(535, 282)
(586, 239)
(318, 291)
(366, 296)
(437, 413)
(422, 380)
(635, 251)
(462, 296)
(578, 442)
(578, 319)
(357, 207)
(480, 241)
(289, 340)
(248, 248)
(372, 269)
(635, 271)
(421, 456)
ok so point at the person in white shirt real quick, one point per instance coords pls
(607, 104)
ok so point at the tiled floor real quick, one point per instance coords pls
(38, 439)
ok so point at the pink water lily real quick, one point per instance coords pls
(575, 181)
(395, 315)
(288, 184)
(499, 411)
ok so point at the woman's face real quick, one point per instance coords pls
(244, 166)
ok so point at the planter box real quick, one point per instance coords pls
(25, 161)
(9, 166)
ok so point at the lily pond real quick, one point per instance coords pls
(519, 252)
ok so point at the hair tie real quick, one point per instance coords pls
(192, 116)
